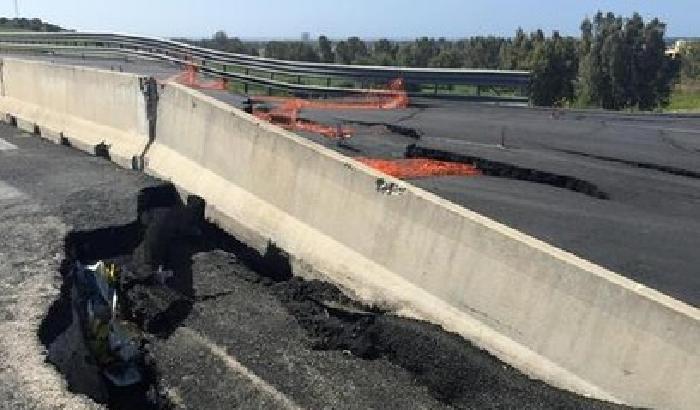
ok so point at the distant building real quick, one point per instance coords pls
(678, 48)
(306, 37)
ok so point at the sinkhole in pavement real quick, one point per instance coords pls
(164, 237)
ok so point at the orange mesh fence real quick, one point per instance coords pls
(419, 167)
(290, 121)
(286, 113)
(190, 78)
(393, 98)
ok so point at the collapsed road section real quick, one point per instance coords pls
(145, 281)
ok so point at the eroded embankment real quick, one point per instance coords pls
(510, 171)
(169, 233)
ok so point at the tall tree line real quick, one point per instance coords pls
(623, 63)
(616, 63)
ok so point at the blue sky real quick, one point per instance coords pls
(340, 18)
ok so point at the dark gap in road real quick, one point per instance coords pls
(644, 165)
(504, 170)
(151, 304)
(402, 130)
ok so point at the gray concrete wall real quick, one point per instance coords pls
(548, 312)
(85, 107)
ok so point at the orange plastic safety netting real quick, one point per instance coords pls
(419, 167)
(291, 121)
(190, 77)
(393, 98)
(286, 113)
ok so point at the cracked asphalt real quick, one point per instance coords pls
(648, 165)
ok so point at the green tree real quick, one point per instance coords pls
(325, 49)
(384, 52)
(357, 49)
(343, 54)
(690, 61)
(554, 70)
(623, 63)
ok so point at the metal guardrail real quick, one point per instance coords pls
(290, 76)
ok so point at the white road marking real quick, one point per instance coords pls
(9, 192)
(237, 367)
(4, 145)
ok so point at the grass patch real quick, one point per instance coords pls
(685, 100)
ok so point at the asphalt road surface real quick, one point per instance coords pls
(633, 207)
(254, 338)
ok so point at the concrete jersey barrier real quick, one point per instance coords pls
(548, 312)
(97, 111)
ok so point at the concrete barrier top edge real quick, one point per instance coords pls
(597, 270)
(74, 67)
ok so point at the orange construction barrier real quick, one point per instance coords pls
(190, 78)
(419, 167)
(286, 113)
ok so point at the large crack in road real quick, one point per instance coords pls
(502, 169)
(450, 371)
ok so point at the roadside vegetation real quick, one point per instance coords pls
(24, 24)
(616, 63)
(686, 93)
